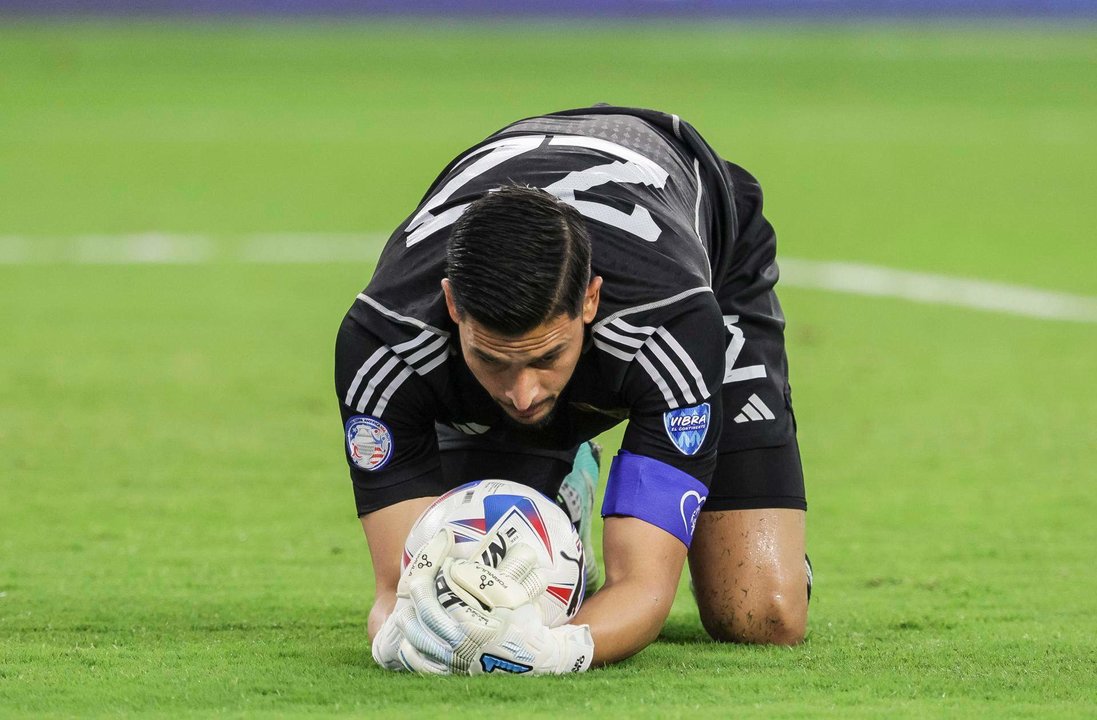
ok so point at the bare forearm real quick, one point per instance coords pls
(643, 565)
(624, 618)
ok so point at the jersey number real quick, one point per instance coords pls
(732, 373)
(629, 168)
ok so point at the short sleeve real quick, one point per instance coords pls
(673, 388)
(388, 415)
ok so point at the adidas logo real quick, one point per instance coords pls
(755, 409)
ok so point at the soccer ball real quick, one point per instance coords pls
(489, 517)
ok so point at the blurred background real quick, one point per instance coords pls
(192, 194)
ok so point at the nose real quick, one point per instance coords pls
(523, 393)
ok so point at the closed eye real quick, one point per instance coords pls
(490, 360)
(545, 362)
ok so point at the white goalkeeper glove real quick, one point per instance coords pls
(504, 598)
(471, 618)
(387, 642)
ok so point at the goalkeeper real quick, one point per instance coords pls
(571, 272)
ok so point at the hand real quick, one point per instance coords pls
(522, 642)
(472, 618)
(387, 642)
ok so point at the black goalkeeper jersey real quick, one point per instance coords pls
(658, 203)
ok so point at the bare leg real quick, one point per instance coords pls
(749, 575)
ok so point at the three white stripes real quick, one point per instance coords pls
(755, 409)
(659, 354)
(419, 354)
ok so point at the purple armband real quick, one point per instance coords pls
(657, 493)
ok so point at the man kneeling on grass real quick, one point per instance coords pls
(571, 272)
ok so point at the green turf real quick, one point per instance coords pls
(177, 535)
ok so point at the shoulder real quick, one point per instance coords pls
(380, 352)
(627, 328)
(668, 353)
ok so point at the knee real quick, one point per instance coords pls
(763, 617)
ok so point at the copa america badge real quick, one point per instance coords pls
(369, 442)
(687, 427)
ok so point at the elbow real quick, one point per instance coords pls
(649, 604)
(625, 618)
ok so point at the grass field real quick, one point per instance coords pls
(177, 534)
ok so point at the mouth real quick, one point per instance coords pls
(531, 414)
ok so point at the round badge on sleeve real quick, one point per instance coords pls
(369, 442)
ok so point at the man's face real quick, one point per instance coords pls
(526, 373)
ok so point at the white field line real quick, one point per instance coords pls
(842, 277)
(172, 249)
(937, 289)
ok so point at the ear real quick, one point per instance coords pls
(590, 300)
(451, 302)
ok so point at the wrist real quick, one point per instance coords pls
(576, 648)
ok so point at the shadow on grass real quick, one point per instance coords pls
(684, 632)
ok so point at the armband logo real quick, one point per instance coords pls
(687, 427)
(369, 442)
(696, 500)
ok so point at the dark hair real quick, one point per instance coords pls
(518, 257)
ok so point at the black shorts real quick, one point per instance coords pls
(758, 464)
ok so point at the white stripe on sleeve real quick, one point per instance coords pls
(686, 360)
(377, 354)
(622, 339)
(675, 373)
(658, 378)
(415, 342)
(427, 351)
(383, 401)
(375, 381)
(613, 350)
